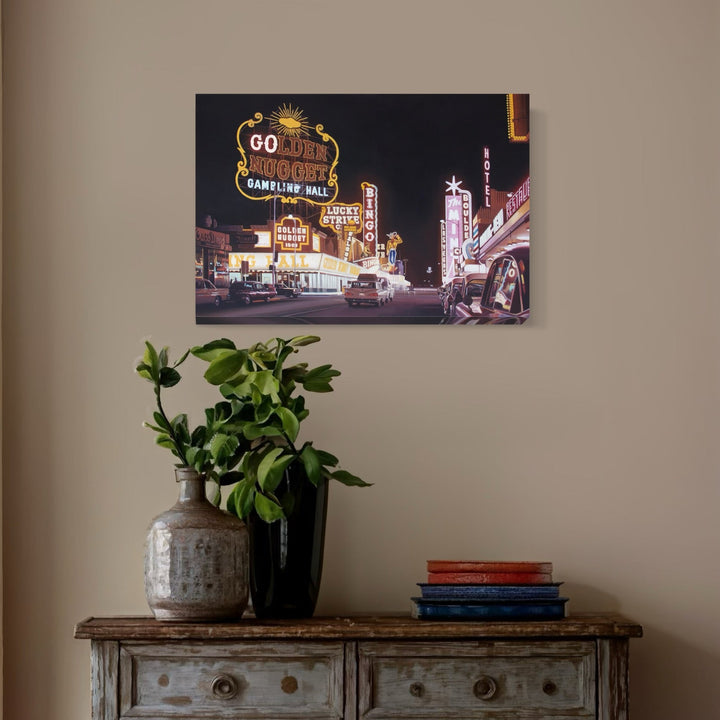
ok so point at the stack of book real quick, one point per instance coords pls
(462, 590)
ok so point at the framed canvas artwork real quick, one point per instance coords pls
(362, 209)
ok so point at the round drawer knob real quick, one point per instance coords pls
(224, 687)
(289, 684)
(485, 688)
(417, 689)
(549, 687)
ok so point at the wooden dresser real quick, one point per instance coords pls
(360, 668)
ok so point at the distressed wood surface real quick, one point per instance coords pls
(351, 680)
(353, 627)
(459, 680)
(232, 680)
(360, 668)
(613, 682)
(104, 669)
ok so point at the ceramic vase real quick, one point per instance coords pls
(196, 558)
(286, 556)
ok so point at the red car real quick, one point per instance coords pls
(246, 292)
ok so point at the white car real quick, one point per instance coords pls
(367, 292)
(207, 294)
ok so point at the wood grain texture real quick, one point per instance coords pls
(353, 627)
(613, 672)
(232, 680)
(104, 664)
(458, 680)
(360, 668)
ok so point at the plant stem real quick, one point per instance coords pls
(171, 432)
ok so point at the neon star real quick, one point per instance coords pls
(453, 185)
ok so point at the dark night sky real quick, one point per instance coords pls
(407, 145)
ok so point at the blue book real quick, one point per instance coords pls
(547, 591)
(490, 610)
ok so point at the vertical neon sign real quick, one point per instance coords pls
(486, 176)
(370, 217)
(458, 226)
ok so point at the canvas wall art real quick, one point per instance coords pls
(362, 209)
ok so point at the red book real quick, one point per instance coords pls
(491, 578)
(488, 567)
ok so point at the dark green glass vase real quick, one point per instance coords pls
(286, 556)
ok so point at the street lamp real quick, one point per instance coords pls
(295, 274)
(274, 232)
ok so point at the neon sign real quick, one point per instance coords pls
(518, 198)
(284, 156)
(486, 176)
(292, 234)
(370, 216)
(341, 217)
(458, 223)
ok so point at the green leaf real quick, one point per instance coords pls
(150, 426)
(223, 412)
(347, 478)
(162, 421)
(179, 426)
(325, 371)
(318, 379)
(249, 465)
(230, 478)
(151, 359)
(169, 377)
(301, 340)
(266, 383)
(216, 498)
(165, 441)
(144, 371)
(290, 423)
(264, 409)
(198, 436)
(294, 372)
(222, 446)
(311, 461)
(265, 465)
(225, 367)
(271, 476)
(318, 386)
(241, 499)
(211, 350)
(182, 359)
(253, 432)
(268, 510)
(327, 459)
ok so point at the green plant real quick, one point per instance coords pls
(250, 438)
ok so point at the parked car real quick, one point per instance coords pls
(369, 292)
(449, 294)
(248, 291)
(271, 289)
(207, 294)
(505, 298)
(472, 287)
(287, 290)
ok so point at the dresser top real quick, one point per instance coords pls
(355, 627)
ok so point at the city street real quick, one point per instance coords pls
(420, 307)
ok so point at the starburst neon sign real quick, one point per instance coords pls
(286, 157)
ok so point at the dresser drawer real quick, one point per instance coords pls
(477, 680)
(231, 680)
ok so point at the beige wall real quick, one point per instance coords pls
(587, 437)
